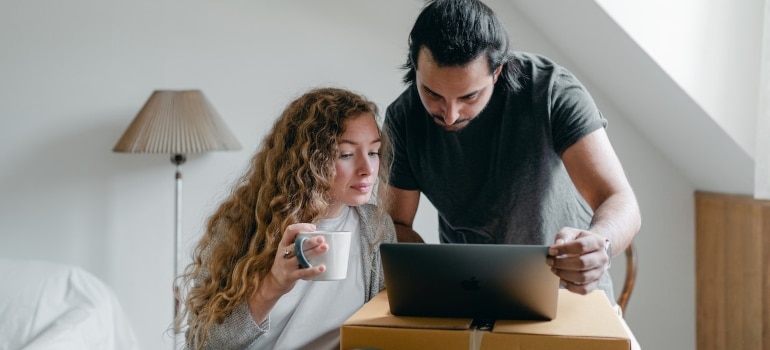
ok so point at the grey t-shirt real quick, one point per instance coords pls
(501, 178)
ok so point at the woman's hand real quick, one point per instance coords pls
(285, 272)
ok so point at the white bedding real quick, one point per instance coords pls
(52, 306)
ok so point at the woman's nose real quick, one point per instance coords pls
(366, 166)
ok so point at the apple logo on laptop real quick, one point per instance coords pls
(470, 284)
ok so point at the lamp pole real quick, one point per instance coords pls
(177, 159)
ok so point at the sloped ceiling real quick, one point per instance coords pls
(649, 98)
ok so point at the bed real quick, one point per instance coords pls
(52, 306)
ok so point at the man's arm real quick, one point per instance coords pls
(402, 210)
(598, 175)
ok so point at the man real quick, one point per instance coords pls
(508, 146)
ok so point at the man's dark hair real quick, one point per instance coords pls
(458, 31)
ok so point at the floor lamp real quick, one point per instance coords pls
(177, 122)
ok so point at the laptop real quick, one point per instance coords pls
(482, 281)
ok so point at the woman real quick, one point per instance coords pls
(316, 170)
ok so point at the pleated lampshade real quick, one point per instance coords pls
(177, 122)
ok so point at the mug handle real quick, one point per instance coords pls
(298, 243)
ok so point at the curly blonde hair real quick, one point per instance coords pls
(288, 181)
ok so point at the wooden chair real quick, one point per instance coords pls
(628, 284)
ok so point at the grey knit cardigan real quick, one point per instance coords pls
(239, 330)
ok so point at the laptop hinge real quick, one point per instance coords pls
(483, 324)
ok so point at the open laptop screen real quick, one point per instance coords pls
(469, 281)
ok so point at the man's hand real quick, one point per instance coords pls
(579, 258)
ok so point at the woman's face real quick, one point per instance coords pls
(357, 163)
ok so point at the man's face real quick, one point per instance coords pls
(456, 94)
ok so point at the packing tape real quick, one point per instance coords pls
(476, 337)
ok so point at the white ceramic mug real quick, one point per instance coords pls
(335, 259)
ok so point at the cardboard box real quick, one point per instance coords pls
(582, 323)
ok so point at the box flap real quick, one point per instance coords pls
(376, 312)
(576, 316)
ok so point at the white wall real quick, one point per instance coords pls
(762, 158)
(714, 51)
(711, 48)
(75, 73)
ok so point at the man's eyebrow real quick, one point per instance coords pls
(468, 95)
(430, 91)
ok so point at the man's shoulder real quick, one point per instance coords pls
(534, 59)
(541, 72)
(405, 100)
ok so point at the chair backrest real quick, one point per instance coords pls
(630, 281)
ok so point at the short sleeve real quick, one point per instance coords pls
(574, 113)
(401, 175)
